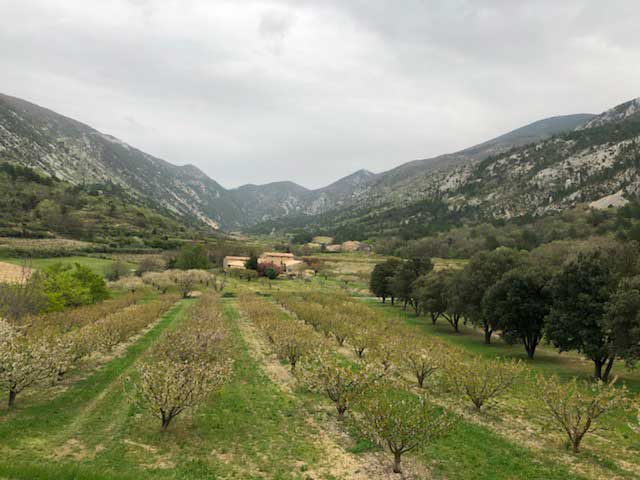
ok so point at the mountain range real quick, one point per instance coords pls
(544, 166)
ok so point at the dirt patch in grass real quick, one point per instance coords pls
(75, 449)
(10, 273)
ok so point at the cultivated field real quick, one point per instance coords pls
(288, 375)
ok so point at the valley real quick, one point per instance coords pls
(415, 323)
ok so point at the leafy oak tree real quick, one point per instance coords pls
(481, 273)
(379, 283)
(192, 256)
(402, 282)
(430, 291)
(622, 320)
(519, 303)
(580, 293)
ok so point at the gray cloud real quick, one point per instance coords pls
(258, 91)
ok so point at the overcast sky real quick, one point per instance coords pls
(309, 91)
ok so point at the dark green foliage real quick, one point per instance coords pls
(252, 263)
(35, 206)
(192, 256)
(16, 172)
(430, 291)
(481, 273)
(519, 302)
(580, 293)
(406, 274)
(380, 282)
(622, 320)
(455, 297)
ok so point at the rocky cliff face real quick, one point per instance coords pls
(597, 163)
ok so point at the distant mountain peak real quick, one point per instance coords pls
(617, 114)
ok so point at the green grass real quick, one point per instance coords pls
(98, 265)
(547, 359)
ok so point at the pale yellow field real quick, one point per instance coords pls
(10, 273)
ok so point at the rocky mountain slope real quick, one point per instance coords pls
(260, 203)
(74, 152)
(69, 150)
(595, 163)
(283, 200)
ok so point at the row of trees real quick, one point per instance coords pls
(186, 366)
(43, 351)
(397, 352)
(590, 303)
(387, 414)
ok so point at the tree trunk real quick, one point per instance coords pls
(531, 350)
(384, 299)
(341, 409)
(393, 301)
(487, 335)
(12, 398)
(166, 419)
(607, 370)
(575, 444)
(597, 372)
(397, 468)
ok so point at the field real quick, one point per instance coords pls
(13, 273)
(265, 421)
(96, 264)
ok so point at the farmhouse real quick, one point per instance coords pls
(231, 262)
(286, 260)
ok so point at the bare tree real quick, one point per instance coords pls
(576, 407)
(23, 361)
(342, 383)
(23, 297)
(401, 422)
(484, 380)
